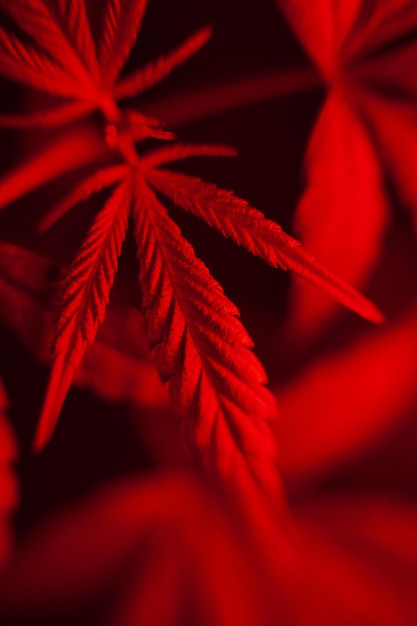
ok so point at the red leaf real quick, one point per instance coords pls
(119, 28)
(132, 532)
(64, 35)
(179, 151)
(73, 21)
(216, 383)
(234, 218)
(342, 216)
(54, 117)
(29, 64)
(323, 27)
(156, 71)
(83, 298)
(341, 402)
(66, 153)
(360, 560)
(23, 280)
(94, 183)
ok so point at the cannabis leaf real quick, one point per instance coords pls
(83, 299)
(203, 349)
(367, 128)
(53, 50)
(234, 218)
(117, 367)
(217, 385)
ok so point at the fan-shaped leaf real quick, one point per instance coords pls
(216, 382)
(73, 21)
(234, 218)
(29, 64)
(83, 299)
(342, 215)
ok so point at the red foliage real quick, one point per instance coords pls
(180, 486)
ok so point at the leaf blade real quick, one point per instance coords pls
(62, 35)
(234, 218)
(156, 71)
(120, 25)
(84, 295)
(216, 382)
(29, 64)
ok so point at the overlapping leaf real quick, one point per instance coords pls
(360, 560)
(54, 51)
(362, 49)
(217, 385)
(202, 348)
(341, 403)
(117, 367)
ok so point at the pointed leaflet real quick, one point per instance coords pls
(27, 63)
(119, 28)
(234, 218)
(94, 183)
(83, 299)
(381, 23)
(66, 153)
(343, 214)
(157, 70)
(180, 151)
(360, 558)
(216, 382)
(24, 280)
(52, 117)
